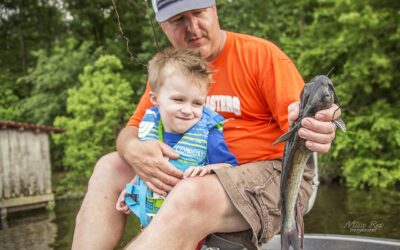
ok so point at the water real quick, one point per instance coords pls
(336, 211)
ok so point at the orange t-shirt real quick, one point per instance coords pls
(254, 82)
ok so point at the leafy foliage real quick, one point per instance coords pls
(360, 39)
(53, 75)
(24, 27)
(97, 110)
(9, 108)
(347, 35)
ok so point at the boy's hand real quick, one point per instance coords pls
(202, 171)
(121, 205)
(196, 171)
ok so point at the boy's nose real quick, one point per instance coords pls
(186, 109)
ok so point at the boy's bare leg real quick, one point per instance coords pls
(195, 208)
(98, 224)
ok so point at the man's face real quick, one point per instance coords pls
(197, 29)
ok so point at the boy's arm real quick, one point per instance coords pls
(217, 149)
(218, 156)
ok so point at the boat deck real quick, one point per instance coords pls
(317, 242)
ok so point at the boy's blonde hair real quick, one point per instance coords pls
(186, 62)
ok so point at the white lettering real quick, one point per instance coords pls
(223, 103)
(210, 102)
(218, 103)
(189, 151)
(236, 106)
(229, 104)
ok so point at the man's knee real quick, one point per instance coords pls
(193, 194)
(111, 169)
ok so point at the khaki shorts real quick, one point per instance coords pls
(254, 189)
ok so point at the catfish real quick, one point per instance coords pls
(317, 95)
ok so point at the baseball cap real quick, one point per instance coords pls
(165, 9)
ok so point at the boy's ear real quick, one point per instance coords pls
(153, 98)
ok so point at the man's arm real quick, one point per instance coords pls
(148, 161)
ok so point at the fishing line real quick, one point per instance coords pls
(132, 58)
(330, 71)
(152, 26)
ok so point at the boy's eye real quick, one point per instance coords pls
(178, 99)
(197, 104)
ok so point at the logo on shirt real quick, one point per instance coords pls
(193, 152)
(144, 128)
(224, 103)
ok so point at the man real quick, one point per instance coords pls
(254, 84)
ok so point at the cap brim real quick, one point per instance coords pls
(180, 7)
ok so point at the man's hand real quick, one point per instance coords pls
(149, 161)
(318, 132)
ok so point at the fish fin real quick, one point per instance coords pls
(284, 137)
(290, 238)
(340, 124)
(300, 221)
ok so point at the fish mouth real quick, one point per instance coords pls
(328, 98)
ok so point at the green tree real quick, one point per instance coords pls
(272, 20)
(9, 101)
(97, 21)
(53, 75)
(97, 110)
(25, 26)
(361, 41)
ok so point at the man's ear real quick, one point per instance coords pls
(153, 98)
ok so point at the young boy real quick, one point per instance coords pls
(179, 80)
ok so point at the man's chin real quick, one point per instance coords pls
(202, 50)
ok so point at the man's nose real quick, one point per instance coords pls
(192, 24)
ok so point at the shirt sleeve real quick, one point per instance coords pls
(217, 150)
(143, 104)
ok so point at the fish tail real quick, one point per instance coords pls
(290, 238)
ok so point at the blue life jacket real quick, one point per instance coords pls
(192, 148)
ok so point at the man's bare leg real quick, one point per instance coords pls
(195, 208)
(98, 224)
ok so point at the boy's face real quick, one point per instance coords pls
(180, 102)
